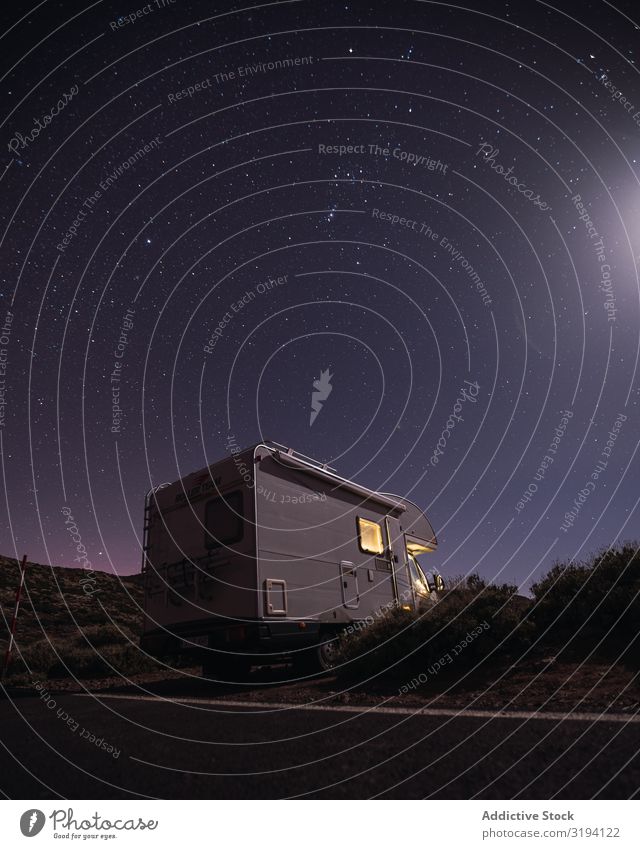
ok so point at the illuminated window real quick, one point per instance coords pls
(370, 536)
(418, 578)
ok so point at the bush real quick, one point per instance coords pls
(37, 657)
(591, 605)
(103, 635)
(109, 661)
(104, 653)
(468, 623)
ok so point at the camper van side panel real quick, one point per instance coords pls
(307, 537)
(191, 575)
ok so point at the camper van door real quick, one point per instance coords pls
(396, 550)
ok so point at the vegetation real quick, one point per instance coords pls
(593, 606)
(471, 622)
(63, 630)
(577, 610)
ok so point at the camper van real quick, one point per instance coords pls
(268, 555)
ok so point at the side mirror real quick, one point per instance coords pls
(439, 583)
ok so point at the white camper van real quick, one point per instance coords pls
(268, 555)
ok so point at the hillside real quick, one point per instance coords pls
(62, 625)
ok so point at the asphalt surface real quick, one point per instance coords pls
(208, 748)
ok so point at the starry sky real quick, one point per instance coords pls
(207, 205)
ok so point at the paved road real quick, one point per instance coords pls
(207, 748)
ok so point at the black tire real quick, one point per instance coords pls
(318, 658)
(327, 653)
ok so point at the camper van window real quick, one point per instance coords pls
(418, 580)
(223, 520)
(370, 536)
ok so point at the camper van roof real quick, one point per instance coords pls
(278, 448)
(300, 461)
(295, 459)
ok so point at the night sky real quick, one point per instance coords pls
(438, 205)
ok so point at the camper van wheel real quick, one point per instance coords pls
(327, 652)
(320, 657)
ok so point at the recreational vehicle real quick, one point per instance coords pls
(268, 555)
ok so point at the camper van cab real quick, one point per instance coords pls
(268, 555)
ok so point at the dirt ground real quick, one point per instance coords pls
(543, 685)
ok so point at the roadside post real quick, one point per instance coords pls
(7, 657)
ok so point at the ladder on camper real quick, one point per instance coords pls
(146, 527)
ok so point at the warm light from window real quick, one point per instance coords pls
(417, 548)
(370, 536)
